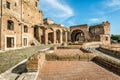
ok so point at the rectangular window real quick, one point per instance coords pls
(36, 4)
(8, 5)
(25, 41)
(10, 42)
(10, 25)
(25, 29)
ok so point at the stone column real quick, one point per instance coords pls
(40, 33)
(66, 36)
(54, 37)
(61, 37)
(46, 37)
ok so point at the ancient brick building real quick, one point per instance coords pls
(17, 22)
(22, 25)
(85, 33)
(54, 33)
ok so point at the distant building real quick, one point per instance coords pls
(84, 33)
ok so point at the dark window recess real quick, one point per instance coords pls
(25, 29)
(10, 25)
(106, 38)
(10, 42)
(15, 4)
(36, 4)
(8, 5)
(25, 41)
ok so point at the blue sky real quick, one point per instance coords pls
(76, 12)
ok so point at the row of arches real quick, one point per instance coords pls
(51, 35)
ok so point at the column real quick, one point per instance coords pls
(40, 33)
(61, 37)
(46, 37)
(54, 37)
(66, 36)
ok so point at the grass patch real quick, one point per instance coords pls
(10, 58)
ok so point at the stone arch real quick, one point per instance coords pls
(50, 35)
(77, 35)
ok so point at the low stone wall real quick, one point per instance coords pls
(69, 57)
(111, 52)
(92, 44)
(112, 65)
(85, 50)
(35, 62)
(65, 47)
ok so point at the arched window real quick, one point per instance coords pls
(10, 25)
(25, 28)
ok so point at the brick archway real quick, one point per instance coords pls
(77, 35)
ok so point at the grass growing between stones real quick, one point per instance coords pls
(10, 58)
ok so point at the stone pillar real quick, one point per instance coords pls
(40, 33)
(66, 36)
(46, 37)
(54, 37)
(61, 37)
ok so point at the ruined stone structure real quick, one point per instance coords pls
(22, 25)
(84, 33)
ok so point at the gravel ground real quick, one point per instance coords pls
(10, 58)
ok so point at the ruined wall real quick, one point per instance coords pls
(83, 28)
(100, 32)
(31, 13)
(13, 13)
(21, 13)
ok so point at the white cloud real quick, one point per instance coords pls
(113, 3)
(56, 9)
(95, 20)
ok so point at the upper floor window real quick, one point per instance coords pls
(10, 25)
(106, 38)
(25, 29)
(8, 5)
(36, 4)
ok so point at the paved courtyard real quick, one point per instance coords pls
(74, 70)
(68, 51)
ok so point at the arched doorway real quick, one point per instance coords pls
(50, 36)
(77, 35)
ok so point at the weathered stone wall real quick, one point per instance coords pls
(31, 13)
(110, 51)
(100, 32)
(35, 62)
(83, 28)
(21, 12)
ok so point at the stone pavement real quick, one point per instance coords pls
(74, 70)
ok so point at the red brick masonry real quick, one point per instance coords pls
(74, 70)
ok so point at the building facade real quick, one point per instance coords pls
(85, 33)
(22, 25)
